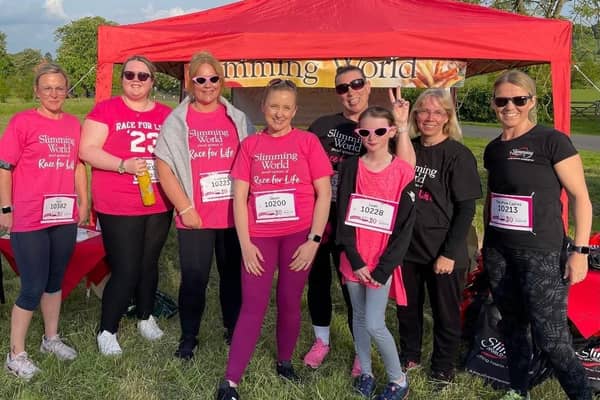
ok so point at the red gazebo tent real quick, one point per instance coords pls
(488, 39)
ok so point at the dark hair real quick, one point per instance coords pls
(279, 84)
(348, 68)
(49, 68)
(151, 67)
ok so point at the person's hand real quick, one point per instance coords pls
(253, 259)
(400, 108)
(304, 255)
(135, 166)
(364, 276)
(443, 265)
(576, 268)
(5, 223)
(84, 215)
(191, 219)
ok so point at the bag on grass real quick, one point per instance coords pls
(164, 306)
(487, 357)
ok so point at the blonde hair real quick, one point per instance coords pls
(49, 68)
(522, 80)
(198, 59)
(451, 128)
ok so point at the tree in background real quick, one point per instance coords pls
(6, 69)
(24, 64)
(77, 52)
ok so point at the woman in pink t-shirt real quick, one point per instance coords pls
(281, 191)
(43, 194)
(376, 213)
(118, 140)
(196, 148)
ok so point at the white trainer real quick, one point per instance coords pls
(21, 366)
(108, 345)
(149, 329)
(56, 346)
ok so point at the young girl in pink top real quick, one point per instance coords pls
(43, 195)
(376, 213)
(281, 192)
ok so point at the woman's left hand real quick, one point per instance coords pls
(304, 255)
(443, 265)
(576, 268)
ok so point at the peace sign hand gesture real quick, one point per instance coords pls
(400, 107)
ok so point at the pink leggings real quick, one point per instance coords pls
(256, 291)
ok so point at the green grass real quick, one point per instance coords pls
(585, 94)
(149, 371)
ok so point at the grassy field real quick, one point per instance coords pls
(149, 370)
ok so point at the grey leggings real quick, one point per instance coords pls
(368, 306)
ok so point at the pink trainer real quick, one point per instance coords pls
(317, 353)
(356, 370)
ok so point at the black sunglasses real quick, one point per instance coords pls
(518, 101)
(356, 84)
(141, 76)
(201, 80)
(364, 132)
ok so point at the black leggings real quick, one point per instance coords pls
(444, 296)
(132, 245)
(195, 257)
(319, 286)
(529, 291)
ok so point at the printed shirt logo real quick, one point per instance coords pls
(522, 154)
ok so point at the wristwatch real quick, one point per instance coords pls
(121, 167)
(314, 237)
(579, 249)
(6, 209)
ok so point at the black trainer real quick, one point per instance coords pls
(441, 379)
(286, 371)
(187, 345)
(226, 392)
(365, 385)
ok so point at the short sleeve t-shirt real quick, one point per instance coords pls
(130, 134)
(213, 142)
(44, 154)
(524, 166)
(445, 173)
(280, 172)
(336, 134)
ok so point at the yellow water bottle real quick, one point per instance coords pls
(146, 189)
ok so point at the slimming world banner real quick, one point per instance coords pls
(389, 72)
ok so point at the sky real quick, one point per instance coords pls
(31, 23)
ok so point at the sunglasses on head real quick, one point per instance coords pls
(201, 80)
(518, 101)
(355, 84)
(365, 132)
(141, 76)
(278, 82)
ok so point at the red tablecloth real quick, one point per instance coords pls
(584, 305)
(87, 260)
